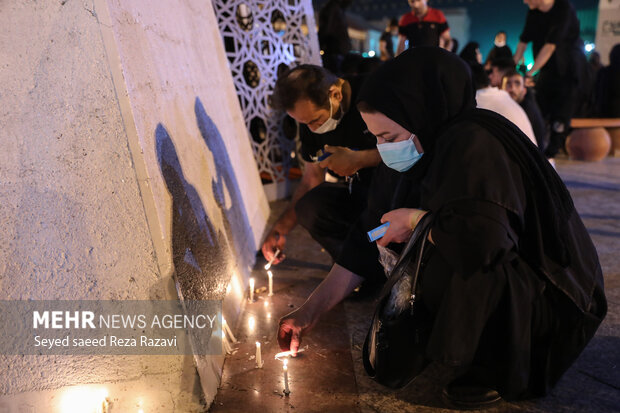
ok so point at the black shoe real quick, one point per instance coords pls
(466, 393)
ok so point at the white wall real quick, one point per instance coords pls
(85, 212)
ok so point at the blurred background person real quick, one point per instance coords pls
(608, 86)
(500, 49)
(491, 98)
(455, 45)
(423, 26)
(499, 67)
(386, 44)
(471, 54)
(514, 84)
(333, 34)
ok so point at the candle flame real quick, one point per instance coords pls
(280, 356)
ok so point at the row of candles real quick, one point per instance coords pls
(227, 332)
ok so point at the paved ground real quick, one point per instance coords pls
(330, 376)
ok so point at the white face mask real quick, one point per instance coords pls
(500, 43)
(330, 124)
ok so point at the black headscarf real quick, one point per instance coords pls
(469, 53)
(422, 89)
(428, 91)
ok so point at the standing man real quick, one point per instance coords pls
(553, 28)
(324, 105)
(334, 34)
(423, 26)
(514, 84)
(386, 45)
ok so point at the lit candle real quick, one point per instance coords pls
(259, 356)
(251, 289)
(270, 274)
(268, 265)
(228, 331)
(285, 369)
(251, 323)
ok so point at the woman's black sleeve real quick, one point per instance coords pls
(474, 236)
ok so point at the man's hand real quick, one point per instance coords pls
(343, 161)
(402, 222)
(273, 242)
(290, 331)
(529, 80)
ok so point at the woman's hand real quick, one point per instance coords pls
(402, 222)
(292, 326)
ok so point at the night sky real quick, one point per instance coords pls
(486, 16)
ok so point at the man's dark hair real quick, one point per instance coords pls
(303, 82)
(503, 63)
(479, 76)
(501, 32)
(393, 22)
(511, 72)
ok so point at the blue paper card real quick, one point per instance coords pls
(378, 232)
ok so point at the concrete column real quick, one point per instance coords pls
(124, 158)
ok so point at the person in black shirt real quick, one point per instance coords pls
(514, 84)
(499, 51)
(330, 123)
(553, 28)
(386, 45)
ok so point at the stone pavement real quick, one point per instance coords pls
(329, 377)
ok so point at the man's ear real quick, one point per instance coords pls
(336, 92)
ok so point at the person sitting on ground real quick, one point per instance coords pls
(323, 104)
(511, 279)
(500, 50)
(386, 44)
(514, 83)
(499, 68)
(471, 54)
(499, 101)
(423, 26)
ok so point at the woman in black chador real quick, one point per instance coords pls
(513, 280)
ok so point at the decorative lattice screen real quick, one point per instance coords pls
(261, 38)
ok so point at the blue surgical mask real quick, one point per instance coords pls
(400, 156)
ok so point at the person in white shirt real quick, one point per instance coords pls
(499, 101)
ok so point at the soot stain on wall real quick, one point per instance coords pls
(235, 217)
(202, 255)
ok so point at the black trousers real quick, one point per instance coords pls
(328, 212)
(557, 98)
